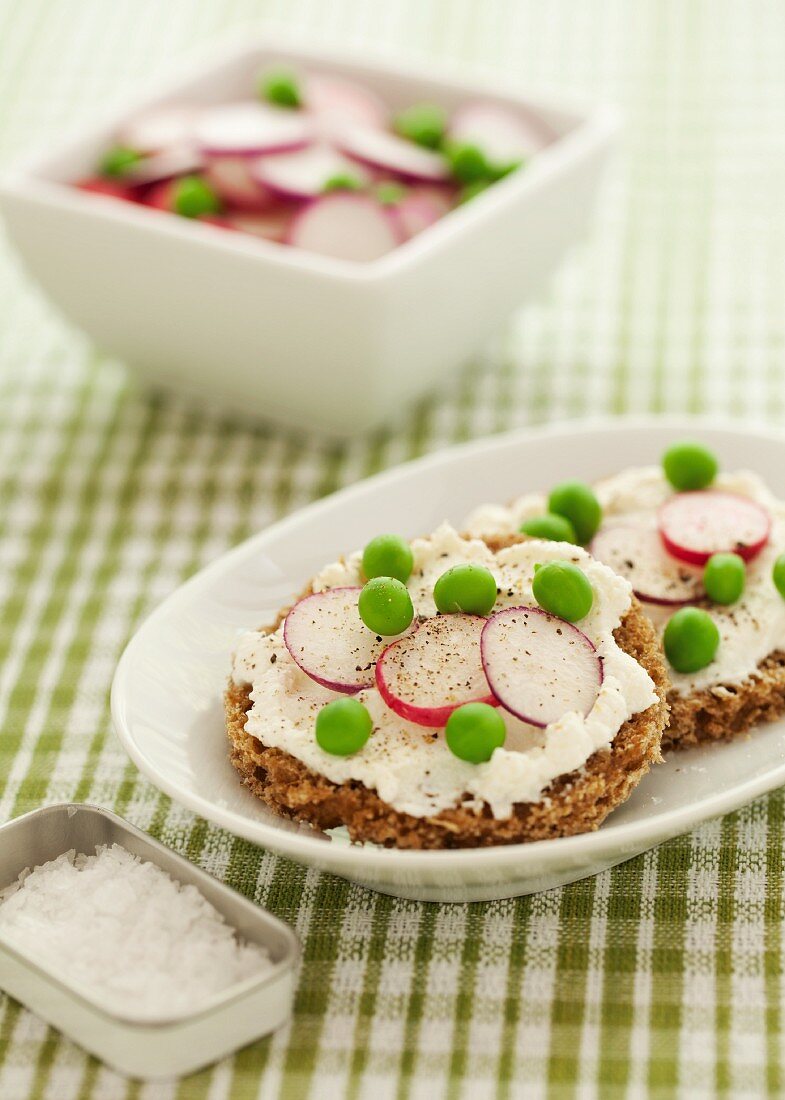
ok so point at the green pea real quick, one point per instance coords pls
(192, 197)
(385, 606)
(281, 87)
(778, 575)
(549, 526)
(723, 578)
(691, 639)
(467, 163)
(117, 161)
(499, 171)
(466, 588)
(563, 589)
(575, 500)
(689, 466)
(343, 726)
(342, 181)
(474, 731)
(423, 123)
(472, 190)
(389, 193)
(388, 556)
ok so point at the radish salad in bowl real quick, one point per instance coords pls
(317, 161)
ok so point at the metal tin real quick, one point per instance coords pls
(170, 1045)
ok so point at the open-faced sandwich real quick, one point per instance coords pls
(450, 692)
(703, 551)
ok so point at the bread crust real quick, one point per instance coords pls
(723, 712)
(574, 803)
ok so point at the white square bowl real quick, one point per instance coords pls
(268, 329)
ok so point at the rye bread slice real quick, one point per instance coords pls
(723, 712)
(574, 803)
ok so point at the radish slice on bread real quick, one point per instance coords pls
(249, 128)
(346, 226)
(391, 153)
(304, 173)
(329, 641)
(425, 675)
(695, 525)
(539, 667)
(636, 553)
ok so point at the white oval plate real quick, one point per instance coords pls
(166, 696)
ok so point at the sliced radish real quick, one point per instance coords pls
(112, 188)
(416, 212)
(250, 129)
(636, 552)
(215, 219)
(270, 225)
(539, 667)
(504, 136)
(329, 641)
(346, 226)
(392, 153)
(232, 180)
(160, 196)
(425, 675)
(304, 173)
(165, 165)
(440, 195)
(337, 103)
(698, 524)
(159, 129)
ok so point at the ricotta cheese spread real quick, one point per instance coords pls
(410, 766)
(750, 629)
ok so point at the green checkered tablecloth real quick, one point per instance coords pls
(662, 977)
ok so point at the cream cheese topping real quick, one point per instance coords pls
(750, 629)
(409, 766)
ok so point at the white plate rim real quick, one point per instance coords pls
(307, 849)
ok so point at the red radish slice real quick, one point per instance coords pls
(164, 166)
(159, 129)
(232, 180)
(392, 154)
(539, 667)
(160, 196)
(346, 226)
(440, 195)
(111, 188)
(637, 553)
(304, 173)
(504, 136)
(415, 213)
(425, 675)
(696, 525)
(337, 103)
(250, 129)
(215, 219)
(329, 641)
(270, 225)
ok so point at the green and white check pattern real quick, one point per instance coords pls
(660, 978)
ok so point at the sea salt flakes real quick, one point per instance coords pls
(125, 933)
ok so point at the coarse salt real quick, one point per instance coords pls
(125, 934)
